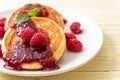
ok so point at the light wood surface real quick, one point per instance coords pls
(106, 65)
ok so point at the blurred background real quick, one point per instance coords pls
(103, 11)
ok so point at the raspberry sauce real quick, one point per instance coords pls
(28, 7)
(22, 25)
(23, 53)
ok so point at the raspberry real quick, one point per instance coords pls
(0, 51)
(2, 32)
(43, 12)
(26, 34)
(2, 22)
(75, 27)
(38, 40)
(69, 36)
(74, 45)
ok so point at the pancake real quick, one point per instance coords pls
(54, 32)
(52, 14)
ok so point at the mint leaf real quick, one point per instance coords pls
(34, 12)
(22, 18)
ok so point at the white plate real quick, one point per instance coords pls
(92, 39)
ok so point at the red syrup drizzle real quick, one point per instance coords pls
(24, 53)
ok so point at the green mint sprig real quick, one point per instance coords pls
(25, 16)
(34, 12)
(22, 18)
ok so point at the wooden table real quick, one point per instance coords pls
(106, 65)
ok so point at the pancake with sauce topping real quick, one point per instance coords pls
(55, 34)
(46, 11)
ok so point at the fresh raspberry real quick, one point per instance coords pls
(69, 36)
(0, 51)
(26, 34)
(43, 12)
(2, 22)
(2, 32)
(38, 40)
(75, 27)
(74, 45)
